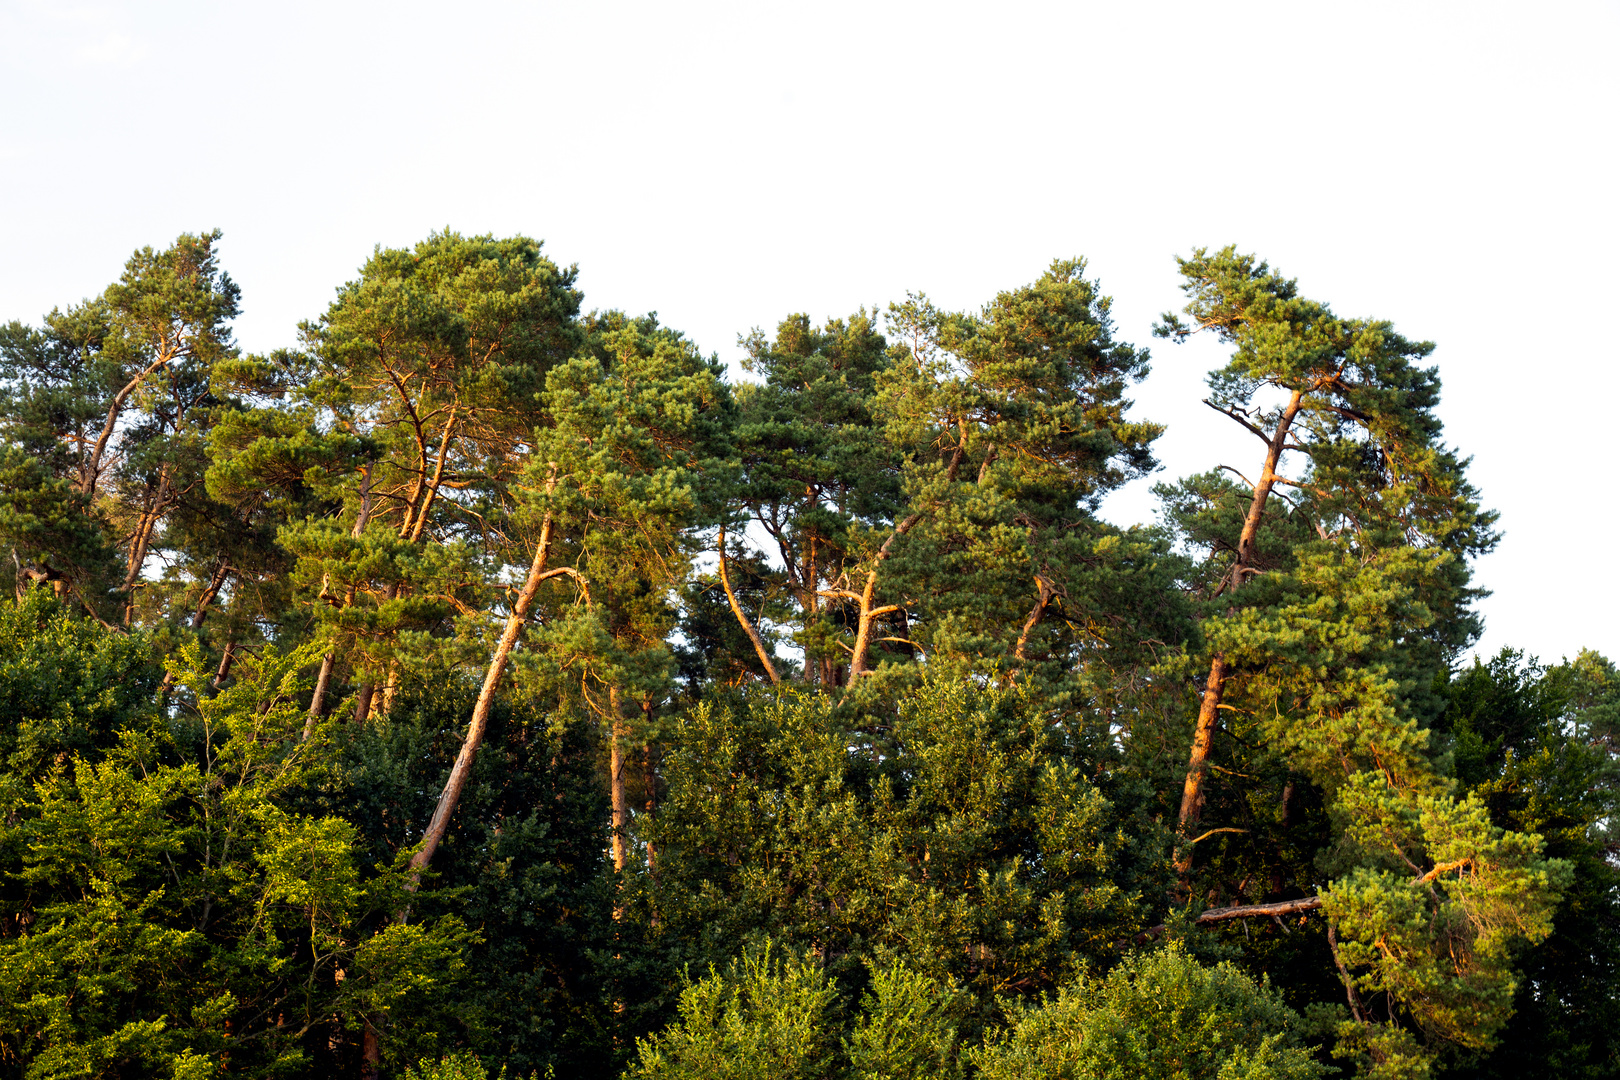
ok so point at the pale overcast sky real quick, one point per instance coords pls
(1449, 166)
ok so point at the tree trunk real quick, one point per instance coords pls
(1344, 976)
(1043, 598)
(368, 690)
(438, 476)
(390, 688)
(370, 1053)
(215, 583)
(810, 580)
(317, 701)
(649, 789)
(869, 614)
(742, 616)
(486, 696)
(1192, 792)
(362, 703)
(224, 671)
(621, 807)
(92, 472)
(141, 541)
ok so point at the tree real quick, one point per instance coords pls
(524, 860)
(612, 482)
(961, 833)
(429, 365)
(1526, 742)
(1014, 425)
(815, 725)
(146, 347)
(915, 491)
(815, 468)
(1156, 1015)
(1379, 488)
(169, 905)
(1331, 613)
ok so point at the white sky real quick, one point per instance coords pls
(1449, 166)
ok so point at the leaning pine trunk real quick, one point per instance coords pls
(440, 822)
(869, 614)
(370, 1053)
(1192, 791)
(742, 616)
(317, 703)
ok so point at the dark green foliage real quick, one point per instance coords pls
(961, 831)
(951, 839)
(1532, 743)
(68, 688)
(1158, 1016)
(170, 908)
(523, 866)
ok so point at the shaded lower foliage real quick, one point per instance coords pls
(1534, 743)
(965, 830)
(523, 865)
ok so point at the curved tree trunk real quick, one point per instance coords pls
(869, 614)
(317, 701)
(742, 616)
(486, 697)
(92, 470)
(1192, 791)
(1044, 596)
(141, 542)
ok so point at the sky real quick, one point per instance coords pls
(1446, 166)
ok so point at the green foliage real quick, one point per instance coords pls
(50, 525)
(637, 421)
(67, 687)
(453, 1067)
(815, 467)
(959, 832)
(168, 902)
(1440, 944)
(524, 862)
(906, 1029)
(1531, 744)
(779, 1015)
(938, 846)
(766, 1016)
(1157, 1015)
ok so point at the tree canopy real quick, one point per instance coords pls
(485, 685)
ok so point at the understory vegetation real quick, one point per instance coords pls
(484, 685)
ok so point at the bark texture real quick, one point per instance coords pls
(1243, 568)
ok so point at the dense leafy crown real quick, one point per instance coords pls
(485, 685)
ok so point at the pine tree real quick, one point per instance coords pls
(1334, 597)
